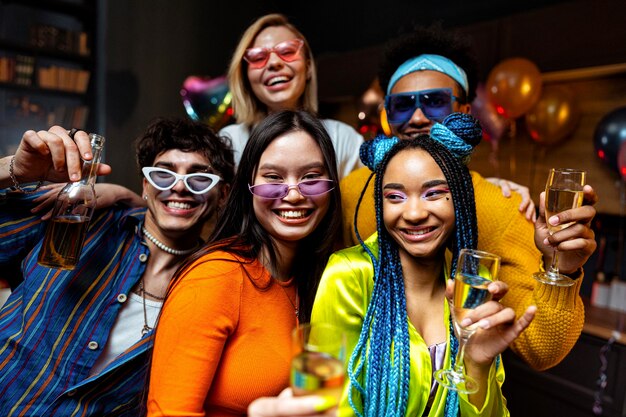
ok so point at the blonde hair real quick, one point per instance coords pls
(247, 107)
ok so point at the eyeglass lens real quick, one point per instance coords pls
(287, 51)
(306, 188)
(435, 104)
(195, 182)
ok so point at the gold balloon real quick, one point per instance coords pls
(514, 86)
(384, 123)
(554, 117)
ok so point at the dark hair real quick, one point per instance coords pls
(460, 185)
(239, 232)
(385, 331)
(430, 40)
(163, 134)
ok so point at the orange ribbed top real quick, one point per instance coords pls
(223, 340)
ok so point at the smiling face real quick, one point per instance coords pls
(176, 212)
(418, 81)
(279, 84)
(418, 211)
(289, 159)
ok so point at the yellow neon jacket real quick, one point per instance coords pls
(342, 299)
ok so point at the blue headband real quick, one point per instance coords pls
(428, 62)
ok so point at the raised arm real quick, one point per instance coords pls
(47, 156)
(560, 310)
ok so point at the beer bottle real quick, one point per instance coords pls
(71, 214)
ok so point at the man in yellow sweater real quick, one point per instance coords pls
(427, 75)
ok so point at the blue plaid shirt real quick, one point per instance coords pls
(56, 323)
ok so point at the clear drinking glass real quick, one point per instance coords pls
(317, 366)
(564, 191)
(474, 272)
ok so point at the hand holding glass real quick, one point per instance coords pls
(318, 360)
(564, 191)
(474, 272)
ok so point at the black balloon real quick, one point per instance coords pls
(609, 135)
(621, 160)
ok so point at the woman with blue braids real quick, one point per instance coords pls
(389, 294)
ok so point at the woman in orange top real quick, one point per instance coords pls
(224, 333)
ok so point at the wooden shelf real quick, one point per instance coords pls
(32, 89)
(603, 323)
(81, 11)
(44, 53)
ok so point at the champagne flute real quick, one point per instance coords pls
(564, 191)
(474, 272)
(317, 366)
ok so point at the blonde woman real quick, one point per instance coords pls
(271, 70)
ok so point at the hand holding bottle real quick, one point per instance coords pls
(71, 214)
(52, 155)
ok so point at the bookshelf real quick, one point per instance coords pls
(47, 66)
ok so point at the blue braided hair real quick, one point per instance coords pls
(382, 352)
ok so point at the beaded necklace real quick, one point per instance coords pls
(166, 248)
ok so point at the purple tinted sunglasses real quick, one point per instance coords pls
(308, 188)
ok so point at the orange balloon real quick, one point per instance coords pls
(514, 86)
(554, 117)
(384, 123)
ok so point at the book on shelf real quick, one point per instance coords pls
(17, 70)
(59, 39)
(83, 44)
(63, 78)
(82, 81)
(7, 68)
(48, 77)
(64, 115)
(24, 68)
(21, 108)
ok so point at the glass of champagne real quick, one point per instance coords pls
(474, 272)
(317, 366)
(564, 191)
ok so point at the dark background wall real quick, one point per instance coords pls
(153, 45)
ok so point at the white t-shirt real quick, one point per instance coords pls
(345, 139)
(127, 329)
